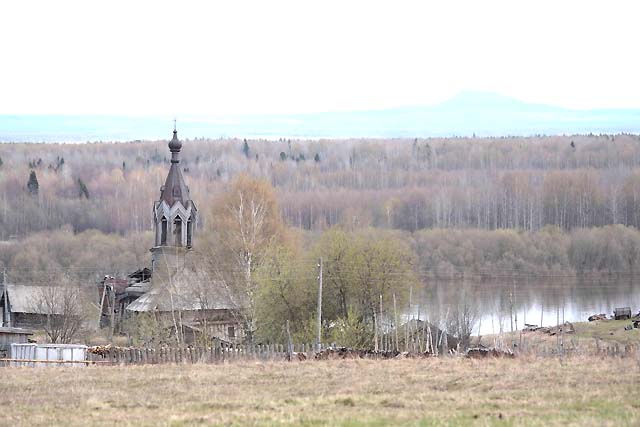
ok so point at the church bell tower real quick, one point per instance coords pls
(174, 217)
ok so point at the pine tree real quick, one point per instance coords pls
(245, 149)
(32, 184)
(83, 191)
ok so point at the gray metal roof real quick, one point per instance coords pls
(34, 299)
(186, 291)
(23, 299)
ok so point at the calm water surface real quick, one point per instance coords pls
(534, 301)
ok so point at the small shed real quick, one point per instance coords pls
(622, 313)
(10, 336)
(48, 354)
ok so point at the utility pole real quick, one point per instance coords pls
(406, 329)
(289, 342)
(382, 337)
(7, 313)
(511, 309)
(395, 321)
(113, 303)
(558, 327)
(515, 303)
(319, 342)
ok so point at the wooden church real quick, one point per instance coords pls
(178, 288)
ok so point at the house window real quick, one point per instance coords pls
(231, 332)
(177, 231)
(163, 232)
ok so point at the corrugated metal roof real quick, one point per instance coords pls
(23, 299)
(187, 291)
(34, 299)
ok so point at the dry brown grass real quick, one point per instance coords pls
(609, 332)
(577, 391)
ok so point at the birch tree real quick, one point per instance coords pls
(247, 221)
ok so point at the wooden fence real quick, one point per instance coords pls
(216, 354)
(571, 347)
(224, 352)
(235, 352)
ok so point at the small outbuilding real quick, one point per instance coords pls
(10, 336)
(622, 313)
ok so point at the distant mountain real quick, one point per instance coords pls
(467, 114)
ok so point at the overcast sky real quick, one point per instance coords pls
(231, 57)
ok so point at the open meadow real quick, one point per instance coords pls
(584, 391)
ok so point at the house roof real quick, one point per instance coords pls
(142, 275)
(119, 285)
(33, 299)
(22, 298)
(186, 291)
(18, 331)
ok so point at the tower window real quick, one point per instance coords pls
(177, 231)
(163, 232)
(189, 232)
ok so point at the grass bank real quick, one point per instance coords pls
(609, 332)
(448, 392)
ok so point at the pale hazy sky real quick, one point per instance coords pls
(230, 57)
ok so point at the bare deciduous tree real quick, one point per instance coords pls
(62, 306)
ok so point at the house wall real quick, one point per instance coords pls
(28, 320)
(216, 323)
(8, 337)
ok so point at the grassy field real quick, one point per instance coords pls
(609, 332)
(449, 392)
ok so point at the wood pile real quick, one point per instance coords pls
(483, 353)
(349, 353)
(567, 328)
(635, 324)
(105, 350)
(594, 317)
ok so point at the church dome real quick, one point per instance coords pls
(175, 145)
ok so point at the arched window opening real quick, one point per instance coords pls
(163, 232)
(177, 231)
(189, 232)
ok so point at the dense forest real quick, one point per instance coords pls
(527, 205)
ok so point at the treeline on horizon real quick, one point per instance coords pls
(520, 183)
(436, 254)
(468, 205)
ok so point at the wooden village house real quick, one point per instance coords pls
(34, 306)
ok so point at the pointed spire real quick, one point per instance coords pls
(174, 188)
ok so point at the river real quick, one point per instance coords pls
(534, 301)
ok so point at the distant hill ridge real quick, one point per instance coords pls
(466, 114)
